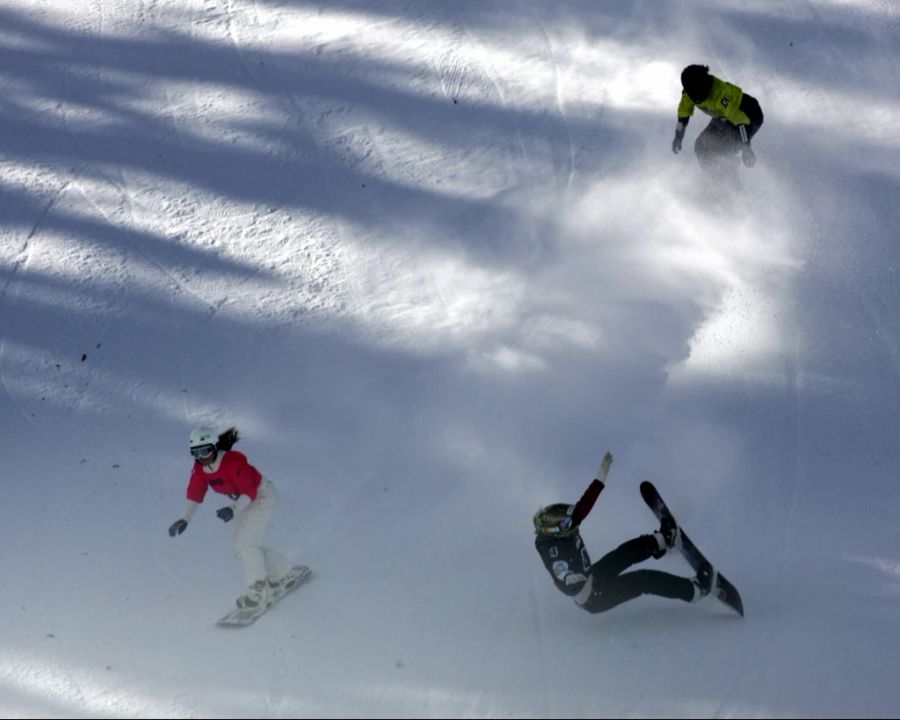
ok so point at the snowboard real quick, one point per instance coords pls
(242, 617)
(724, 590)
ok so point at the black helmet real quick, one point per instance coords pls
(555, 520)
(697, 82)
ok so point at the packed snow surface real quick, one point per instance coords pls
(433, 259)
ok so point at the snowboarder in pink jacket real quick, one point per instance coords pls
(253, 503)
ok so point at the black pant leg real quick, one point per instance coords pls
(750, 107)
(630, 585)
(717, 145)
(623, 557)
(610, 587)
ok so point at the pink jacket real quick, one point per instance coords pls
(234, 477)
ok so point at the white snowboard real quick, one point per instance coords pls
(241, 618)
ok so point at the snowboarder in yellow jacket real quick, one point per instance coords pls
(736, 117)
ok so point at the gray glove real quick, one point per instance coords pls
(679, 136)
(603, 471)
(177, 527)
(748, 156)
(225, 514)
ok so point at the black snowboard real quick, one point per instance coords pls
(724, 590)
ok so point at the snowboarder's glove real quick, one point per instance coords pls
(604, 467)
(748, 156)
(225, 514)
(679, 136)
(177, 527)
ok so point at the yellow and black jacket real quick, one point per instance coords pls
(723, 101)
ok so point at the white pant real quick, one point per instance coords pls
(250, 526)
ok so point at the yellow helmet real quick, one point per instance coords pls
(555, 520)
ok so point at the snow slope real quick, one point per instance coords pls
(433, 259)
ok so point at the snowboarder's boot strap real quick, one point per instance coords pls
(669, 530)
(255, 597)
(657, 545)
(667, 537)
(286, 581)
(704, 582)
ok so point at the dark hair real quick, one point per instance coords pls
(227, 439)
(697, 82)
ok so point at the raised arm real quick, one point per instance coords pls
(586, 503)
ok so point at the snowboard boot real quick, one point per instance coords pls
(275, 589)
(289, 580)
(279, 586)
(667, 537)
(704, 582)
(282, 585)
(256, 596)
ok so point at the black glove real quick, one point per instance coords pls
(679, 136)
(177, 527)
(225, 514)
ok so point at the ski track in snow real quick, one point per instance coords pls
(560, 107)
(299, 115)
(20, 260)
(279, 683)
(494, 77)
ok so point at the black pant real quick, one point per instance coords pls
(752, 110)
(720, 141)
(611, 587)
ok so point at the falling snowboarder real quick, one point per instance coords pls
(253, 497)
(604, 584)
(736, 118)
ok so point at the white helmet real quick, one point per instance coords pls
(203, 441)
(203, 436)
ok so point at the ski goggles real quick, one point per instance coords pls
(563, 527)
(552, 521)
(203, 451)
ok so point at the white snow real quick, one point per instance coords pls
(434, 259)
